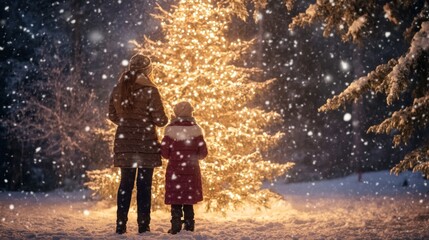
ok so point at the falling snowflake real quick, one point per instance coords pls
(345, 66)
(328, 78)
(95, 36)
(347, 117)
(124, 63)
(86, 212)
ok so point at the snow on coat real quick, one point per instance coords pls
(136, 142)
(183, 145)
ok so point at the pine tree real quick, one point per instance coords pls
(195, 62)
(355, 20)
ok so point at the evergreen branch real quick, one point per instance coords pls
(414, 27)
(398, 76)
(349, 21)
(405, 121)
(289, 4)
(373, 81)
(417, 160)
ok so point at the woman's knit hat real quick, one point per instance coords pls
(140, 62)
(183, 109)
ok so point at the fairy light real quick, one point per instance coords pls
(193, 63)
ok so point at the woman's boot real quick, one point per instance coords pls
(121, 226)
(144, 183)
(124, 199)
(144, 225)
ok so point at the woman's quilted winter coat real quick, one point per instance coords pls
(183, 145)
(136, 142)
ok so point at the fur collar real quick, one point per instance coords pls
(183, 132)
(175, 120)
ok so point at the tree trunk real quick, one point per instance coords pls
(76, 36)
(356, 120)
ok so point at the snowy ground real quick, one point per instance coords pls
(378, 208)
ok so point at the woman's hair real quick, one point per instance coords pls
(139, 64)
(126, 83)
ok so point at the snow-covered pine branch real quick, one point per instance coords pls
(398, 81)
(390, 78)
(239, 8)
(349, 19)
(417, 160)
(373, 81)
(422, 16)
(388, 10)
(405, 121)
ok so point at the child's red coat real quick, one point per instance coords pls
(183, 145)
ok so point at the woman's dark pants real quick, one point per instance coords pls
(144, 184)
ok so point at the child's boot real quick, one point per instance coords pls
(189, 223)
(176, 225)
(176, 220)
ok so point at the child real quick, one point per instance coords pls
(183, 145)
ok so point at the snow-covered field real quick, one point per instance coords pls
(377, 208)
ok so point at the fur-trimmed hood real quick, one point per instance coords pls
(183, 130)
(144, 81)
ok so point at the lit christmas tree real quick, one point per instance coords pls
(194, 63)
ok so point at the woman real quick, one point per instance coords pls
(136, 107)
